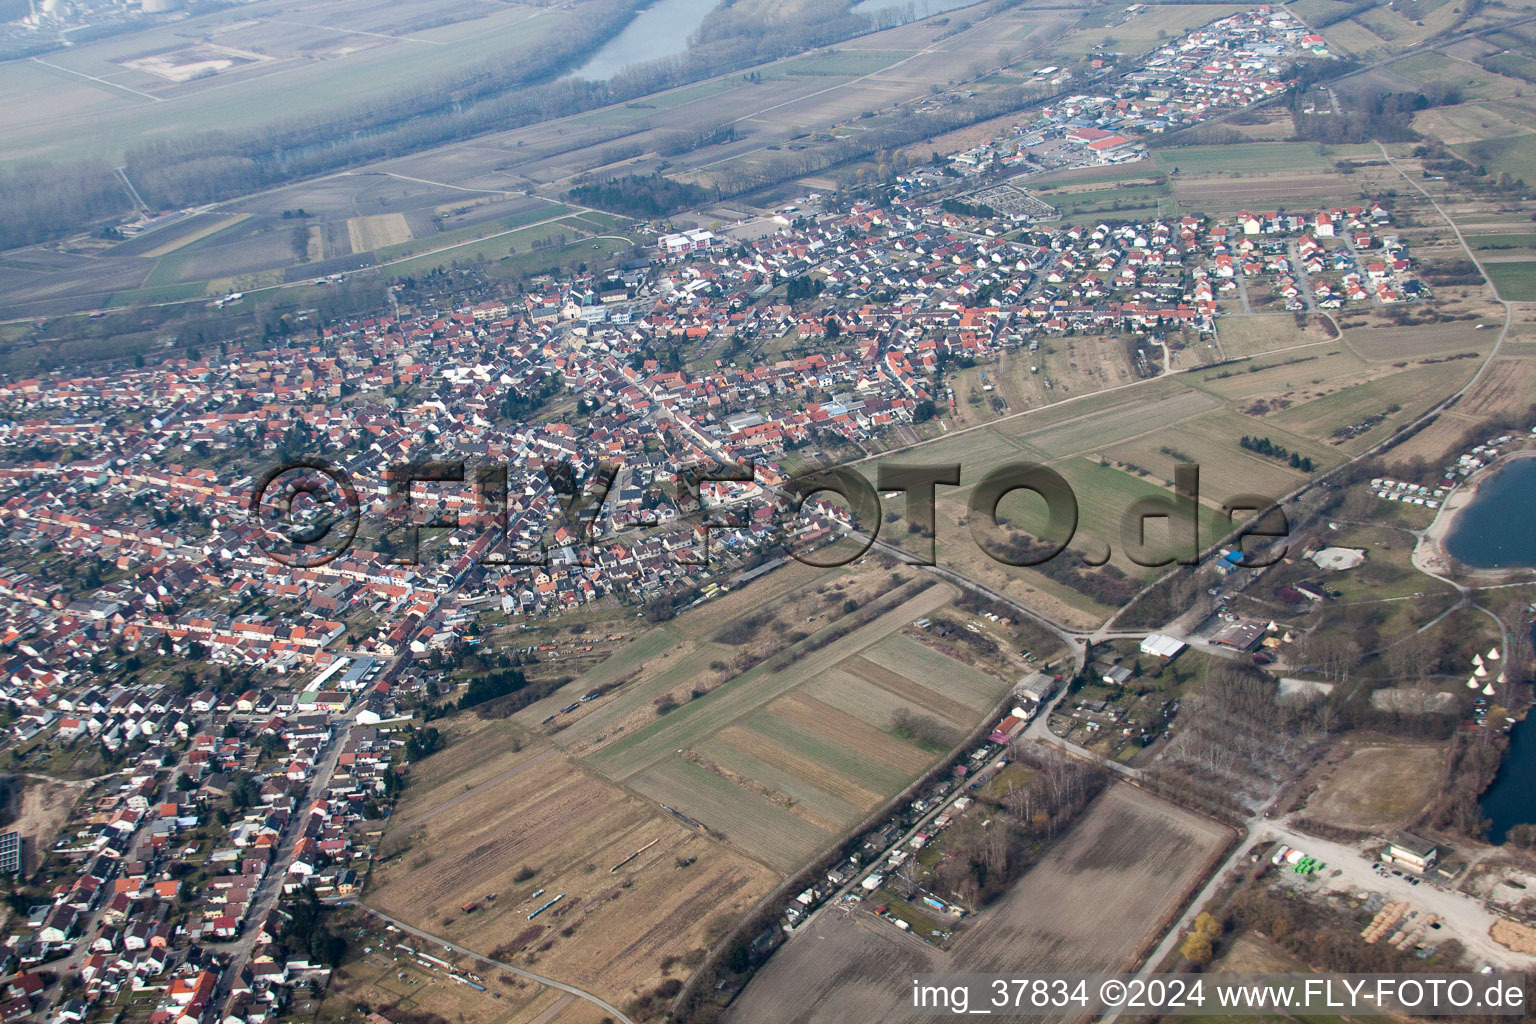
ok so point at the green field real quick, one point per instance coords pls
(1515, 281)
(1247, 157)
(1507, 241)
(827, 753)
(876, 705)
(1414, 390)
(1515, 65)
(1287, 374)
(1514, 154)
(1474, 82)
(1105, 494)
(841, 64)
(162, 293)
(1092, 431)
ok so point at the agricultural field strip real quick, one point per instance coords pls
(749, 822)
(839, 742)
(861, 687)
(938, 672)
(749, 691)
(609, 712)
(787, 773)
(427, 814)
(773, 591)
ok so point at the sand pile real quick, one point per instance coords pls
(1513, 936)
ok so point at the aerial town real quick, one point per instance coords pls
(405, 639)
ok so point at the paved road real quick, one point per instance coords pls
(270, 890)
(551, 982)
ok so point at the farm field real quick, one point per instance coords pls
(1389, 344)
(780, 759)
(1515, 154)
(725, 794)
(1515, 280)
(1130, 851)
(1254, 335)
(1210, 442)
(749, 691)
(377, 231)
(1504, 389)
(309, 59)
(1249, 157)
(535, 820)
(1287, 377)
(1401, 396)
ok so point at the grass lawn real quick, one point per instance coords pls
(1514, 241)
(1516, 281)
(1513, 153)
(1250, 157)
(165, 293)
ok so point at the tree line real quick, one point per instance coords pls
(39, 198)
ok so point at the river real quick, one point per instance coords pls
(661, 30)
(1495, 529)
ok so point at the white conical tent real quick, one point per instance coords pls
(1493, 654)
(1477, 659)
(1502, 679)
(1472, 683)
(1488, 690)
(1481, 672)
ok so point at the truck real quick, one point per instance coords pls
(470, 907)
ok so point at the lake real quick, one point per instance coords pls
(661, 30)
(1511, 800)
(1496, 529)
